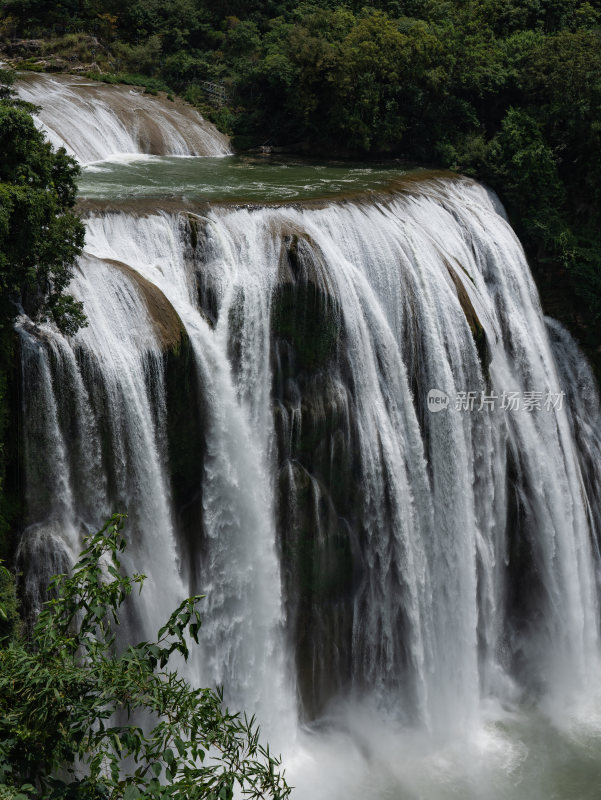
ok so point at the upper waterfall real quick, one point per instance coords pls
(113, 120)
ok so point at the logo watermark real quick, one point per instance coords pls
(506, 401)
(437, 400)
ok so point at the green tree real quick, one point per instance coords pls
(40, 237)
(65, 692)
(524, 167)
(10, 622)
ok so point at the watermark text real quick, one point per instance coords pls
(505, 401)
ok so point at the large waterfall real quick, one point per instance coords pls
(351, 427)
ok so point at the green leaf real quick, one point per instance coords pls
(131, 792)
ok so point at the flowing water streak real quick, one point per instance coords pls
(240, 574)
(561, 535)
(97, 407)
(583, 400)
(49, 543)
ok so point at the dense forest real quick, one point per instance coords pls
(509, 92)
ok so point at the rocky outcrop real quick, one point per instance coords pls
(317, 490)
(168, 326)
(184, 418)
(471, 316)
(185, 422)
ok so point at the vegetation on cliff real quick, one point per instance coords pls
(72, 703)
(40, 237)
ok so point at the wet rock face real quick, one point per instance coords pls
(304, 311)
(471, 316)
(185, 424)
(197, 253)
(11, 469)
(318, 478)
(183, 420)
(70, 385)
(525, 593)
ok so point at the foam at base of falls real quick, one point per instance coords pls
(113, 120)
(509, 756)
(351, 541)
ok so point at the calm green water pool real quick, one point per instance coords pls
(244, 178)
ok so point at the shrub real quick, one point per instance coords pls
(65, 692)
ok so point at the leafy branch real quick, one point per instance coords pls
(65, 693)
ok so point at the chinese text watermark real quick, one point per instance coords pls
(505, 401)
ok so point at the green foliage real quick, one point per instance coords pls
(65, 693)
(9, 606)
(40, 237)
(519, 159)
(151, 85)
(72, 45)
(142, 57)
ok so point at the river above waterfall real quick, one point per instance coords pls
(233, 178)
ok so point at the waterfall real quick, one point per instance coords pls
(116, 120)
(350, 426)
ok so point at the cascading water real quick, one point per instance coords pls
(253, 388)
(94, 121)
